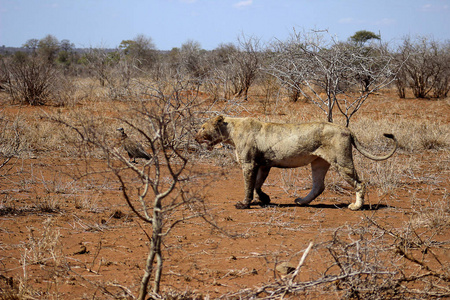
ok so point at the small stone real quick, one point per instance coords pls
(285, 268)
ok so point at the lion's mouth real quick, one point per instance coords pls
(209, 144)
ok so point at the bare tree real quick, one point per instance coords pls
(330, 73)
(159, 191)
(248, 62)
(222, 79)
(191, 60)
(98, 61)
(401, 78)
(425, 67)
(234, 67)
(113, 69)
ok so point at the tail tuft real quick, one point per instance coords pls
(389, 135)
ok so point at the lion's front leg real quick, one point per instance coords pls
(261, 176)
(250, 171)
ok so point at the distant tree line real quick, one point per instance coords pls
(304, 66)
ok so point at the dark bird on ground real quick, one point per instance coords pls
(133, 148)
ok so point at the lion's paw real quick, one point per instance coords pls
(242, 205)
(353, 206)
(263, 198)
(300, 201)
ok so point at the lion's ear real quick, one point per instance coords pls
(218, 120)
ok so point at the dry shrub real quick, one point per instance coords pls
(87, 202)
(48, 203)
(43, 248)
(65, 92)
(43, 136)
(268, 92)
(71, 133)
(8, 207)
(371, 261)
(185, 295)
(89, 89)
(10, 289)
(379, 262)
(120, 84)
(20, 136)
(13, 140)
(29, 79)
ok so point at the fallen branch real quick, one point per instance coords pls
(300, 264)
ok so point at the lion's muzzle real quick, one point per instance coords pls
(201, 138)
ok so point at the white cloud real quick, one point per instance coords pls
(433, 8)
(243, 3)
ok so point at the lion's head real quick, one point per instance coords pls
(212, 132)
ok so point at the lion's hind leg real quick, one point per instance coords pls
(350, 175)
(319, 169)
(360, 191)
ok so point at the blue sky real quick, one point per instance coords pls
(170, 23)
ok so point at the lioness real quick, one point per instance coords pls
(261, 146)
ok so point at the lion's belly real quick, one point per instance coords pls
(293, 162)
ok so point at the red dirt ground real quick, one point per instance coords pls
(198, 258)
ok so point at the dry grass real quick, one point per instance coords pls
(357, 266)
(43, 246)
(13, 140)
(412, 136)
(431, 214)
(386, 176)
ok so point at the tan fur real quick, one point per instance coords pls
(261, 146)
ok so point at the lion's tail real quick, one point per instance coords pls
(367, 154)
